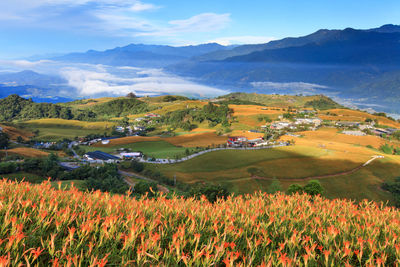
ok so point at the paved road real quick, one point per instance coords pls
(70, 146)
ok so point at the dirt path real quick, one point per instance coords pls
(322, 176)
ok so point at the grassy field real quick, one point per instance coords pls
(355, 115)
(194, 139)
(13, 132)
(157, 149)
(58, 129)
(323, 152)
(25, 152)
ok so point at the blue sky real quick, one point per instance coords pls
(29, 27)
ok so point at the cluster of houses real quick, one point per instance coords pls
(241, 141)
(358, 129)
(138, 129)
(280, 125)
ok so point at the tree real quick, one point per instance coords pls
(143, 187)
(4, 140)
(313, 188)
(275, 187)
(125, 121)
(20, 139)
(210, 191)
(131, 95)
(294, 188)
(253, 171)
(137, 166)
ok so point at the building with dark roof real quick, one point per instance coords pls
(100, 155)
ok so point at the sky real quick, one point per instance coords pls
(36, 27)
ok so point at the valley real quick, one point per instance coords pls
(301, 138)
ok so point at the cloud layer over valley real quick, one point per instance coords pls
(87, 80)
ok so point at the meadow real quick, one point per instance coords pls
(317, 153)
(41, 225)
(25, 152)
(193, 139)
(157, 149)
(14, 133)
(355, 115)
(58, 129)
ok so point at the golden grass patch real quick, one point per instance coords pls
(246, 110)
(246, 134)
(72, 123)
(26, 152)
(355, 115)
(13, 132)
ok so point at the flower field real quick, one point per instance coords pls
(43, 226)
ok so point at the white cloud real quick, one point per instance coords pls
(205, 22)
(141, 81)
(139, 6)
(248, 39)
(287, 85)
(25, 64)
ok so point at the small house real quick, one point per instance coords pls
(130, 155)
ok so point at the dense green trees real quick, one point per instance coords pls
(103, 178)
(143, 187)
(210, 191)
(15, 107)
(7, 167)
(313, 187)
(322, 103)
(121, 107)
(4, 140)
(187, 118)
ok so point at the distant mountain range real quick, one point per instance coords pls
(360, 65)
(140, 55)
(347, 63)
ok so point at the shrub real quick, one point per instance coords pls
(313, 188)
(295, 188)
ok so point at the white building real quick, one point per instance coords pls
(356, 133)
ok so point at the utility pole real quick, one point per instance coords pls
(174, 179)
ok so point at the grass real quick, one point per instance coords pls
(25, 152)
(58, 129)
(313, 155)
(355, 115)
(194, 139)
(14, 132)
(157, 149)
